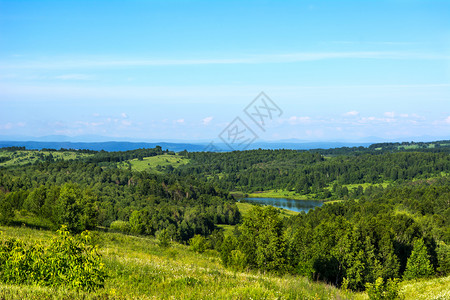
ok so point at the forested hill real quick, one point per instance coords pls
(311, 173)
(390, 219)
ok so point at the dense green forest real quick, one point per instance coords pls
(83, 195)
(391, 220)
(309, 172)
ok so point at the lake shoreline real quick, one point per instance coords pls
(284, 203)
(271, 194)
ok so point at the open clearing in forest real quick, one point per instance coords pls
(157, 163)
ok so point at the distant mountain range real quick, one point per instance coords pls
(124, 146)
(99, 143)
(98, 146)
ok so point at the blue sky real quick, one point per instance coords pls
(182, 70)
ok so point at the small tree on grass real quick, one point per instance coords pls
(163, 238)
(380, 290)
(418, 264)
(6, 210)
(199, 243)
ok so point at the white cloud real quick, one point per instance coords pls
(389, 114)
(447, 120)
(416, 116)
(89, 124)
(207, 120)
(74, 77)
(90, 63)
(298, 120)
(404, 115)
(378, 120)
(9, 125)
(124, 115)
(180, 121)
(126, 123)
(352, 113)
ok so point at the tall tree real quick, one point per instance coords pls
(418, 264)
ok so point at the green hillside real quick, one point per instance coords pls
(138, 268)
(24, 157)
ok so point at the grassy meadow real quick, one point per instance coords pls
(154, 163)
(20, 157)
(278, 194)
(139, 269)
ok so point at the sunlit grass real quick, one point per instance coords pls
(152, 163)
(139, 269)
(426, 289)
(278, 194)
(31, 156)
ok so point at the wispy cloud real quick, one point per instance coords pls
(99, 62)
(352, 113)
(294, 120)
(386, 43)
(75, 77)
(207, 120)
(10, 125)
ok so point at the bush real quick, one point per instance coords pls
(443, 256)
(67, 261)
(163, 238)
(6, 210)
(381, 291)
(199, 243)
(120, 226)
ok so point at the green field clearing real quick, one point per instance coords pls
(18, 158)
(155, 163)
(278, 194)
(364, 185)
(244, 209)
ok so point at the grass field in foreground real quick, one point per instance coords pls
(139, 269)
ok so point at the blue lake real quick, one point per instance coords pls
(289, 204)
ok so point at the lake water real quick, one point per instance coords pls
(289, 204)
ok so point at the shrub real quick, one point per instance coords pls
(163, 238)
(443, 256)
(67, 261)
(120, 226)
(379, 290)
(199, 243)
